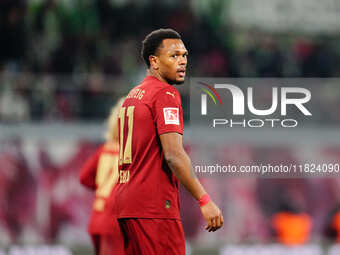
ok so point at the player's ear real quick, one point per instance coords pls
(153, 62)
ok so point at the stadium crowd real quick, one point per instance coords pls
(59, 59)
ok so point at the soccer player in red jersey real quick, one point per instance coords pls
(100, 173)
(152, 160)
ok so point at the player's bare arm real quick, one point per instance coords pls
(180, 163)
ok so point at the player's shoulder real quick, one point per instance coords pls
(148, 86)
(151, 90)
(153, 85)
(160, 88)
(167, 94)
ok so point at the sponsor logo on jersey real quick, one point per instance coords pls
(171, 94)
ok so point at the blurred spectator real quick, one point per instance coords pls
(332, 227)
(13, 104)
(17, 192)
(81, 37)
(42, 96)
(317, 60)
(266, 57)
(291, 227)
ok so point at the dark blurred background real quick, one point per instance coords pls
(64, 63)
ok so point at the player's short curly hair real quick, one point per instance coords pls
(153, 40)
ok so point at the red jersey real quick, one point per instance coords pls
(147, 187)
(100, 173)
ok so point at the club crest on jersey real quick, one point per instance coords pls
(171, 115)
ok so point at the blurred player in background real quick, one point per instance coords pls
(152, 158)
(291, 225)
(100, 173)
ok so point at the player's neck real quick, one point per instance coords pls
(151, 72)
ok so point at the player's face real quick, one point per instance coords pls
(172, 56)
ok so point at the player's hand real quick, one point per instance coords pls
(213, 216)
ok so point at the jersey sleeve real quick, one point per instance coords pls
(88, 172)
(168, 111)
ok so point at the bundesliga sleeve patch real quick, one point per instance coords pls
(171, 115)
